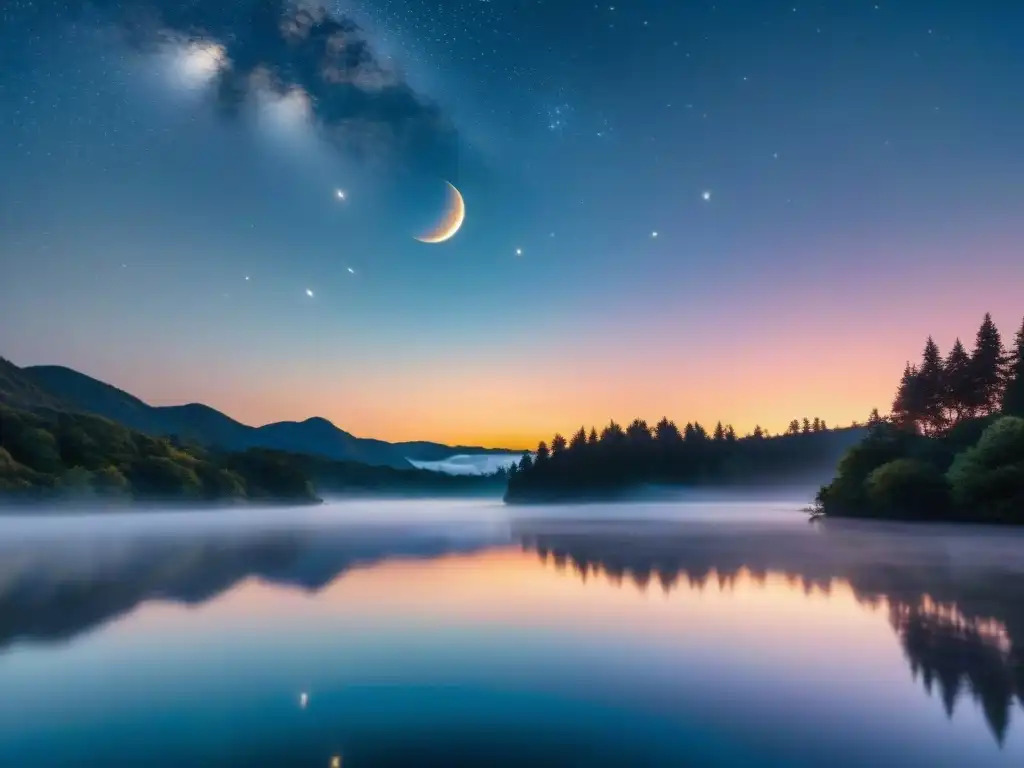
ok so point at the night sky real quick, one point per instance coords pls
(745, 210)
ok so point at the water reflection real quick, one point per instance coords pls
(954, 595)
(55, 589)
(485, 607)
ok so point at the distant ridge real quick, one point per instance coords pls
(19, 390)
(62, 388)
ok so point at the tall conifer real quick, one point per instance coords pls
(907, 406)
(1013, 395)
(931, 383)
(959, 400)
(987, 363)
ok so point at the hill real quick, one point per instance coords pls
(19, 390)
(201, 424)
(50, 454)
(422, 450)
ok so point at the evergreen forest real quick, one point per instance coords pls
(619, 461)
(953, 446)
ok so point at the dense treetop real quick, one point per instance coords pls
(953, 447)
(593, 465)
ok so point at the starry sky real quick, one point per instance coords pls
(745, 210)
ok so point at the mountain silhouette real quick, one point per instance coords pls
(58, 387)
(19, 390)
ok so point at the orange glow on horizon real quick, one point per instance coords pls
(517, 400)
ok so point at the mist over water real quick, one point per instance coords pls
(471, 464)
(709, 632)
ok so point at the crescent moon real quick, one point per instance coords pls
(452, 221)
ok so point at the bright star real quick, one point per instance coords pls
(654, 234)
(246, 278)
(519, 251)
(303, 699)
(351, 271)
(309, 293)
(340, 194)
(706, 194)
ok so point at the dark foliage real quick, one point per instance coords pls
(1013, 395)
(948, 451)
(621, 460)
(55, 454)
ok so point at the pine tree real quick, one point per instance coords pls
(579, 440)
(958, 393)
(543, 454)
(558, 445)
(719, 434)
(816, 425)
(987, 364)
(612, 434)
(931, 383)
(907, 406)
(1013, 395)
(807, 426)
(592, 438)
(875, 418)
(667, 432)
(758, 433)
(794, 427)
(730, 434)
(638, 432)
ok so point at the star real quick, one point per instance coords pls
(247, 278)
(351, 271)
(519, 251)
(303, 699)
(654, 234)
(309, 293)
(340, 194)
(706, 194)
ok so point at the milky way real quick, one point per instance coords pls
(362, 102)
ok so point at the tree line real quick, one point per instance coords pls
(940, 392)
(953, 446)
(592, 463)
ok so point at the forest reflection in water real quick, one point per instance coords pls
(954, 596)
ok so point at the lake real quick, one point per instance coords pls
(468, 633)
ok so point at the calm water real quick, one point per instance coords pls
(455, 634)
